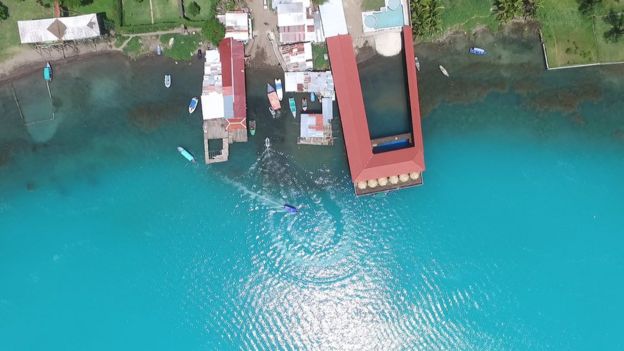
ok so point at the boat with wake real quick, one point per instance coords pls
(267, 143)
(167, 80)
(187, 155)
(290, 209)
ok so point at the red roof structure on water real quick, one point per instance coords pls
(232, 53)
(363, 164)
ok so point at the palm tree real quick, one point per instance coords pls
(506, 10)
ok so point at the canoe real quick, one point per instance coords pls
(304, 104)
(443, 70)
(252, 127)
(47, 72)
(293, 107)
(279, 89)
(417, 63)
(167, 80)
(477, 51)
(273, 99)
(193, 104)
(187, 155)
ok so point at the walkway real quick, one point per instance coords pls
(178, 30)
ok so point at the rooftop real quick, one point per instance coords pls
(59, 29)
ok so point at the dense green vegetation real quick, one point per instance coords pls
(426, 17)
(616, 21)
(507, 10)
(4, 11)
(193, 9)
(319, 62)
(213, 30)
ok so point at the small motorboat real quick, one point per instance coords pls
(193, 104)
(47, 72)
(272, 111)
(477, 51)
(312, 97)
(279, 89)
(443, 70)
(290, 209)
(267, 143)
(158, 50)
(187, 155)
(167, 80)
(417, 63)
(293, 107)
(304, 104)
(200, 54)
(273, 98)
(252, 127)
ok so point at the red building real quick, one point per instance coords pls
(375, 171)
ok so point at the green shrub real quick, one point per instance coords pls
(193, 9)
(213, 30)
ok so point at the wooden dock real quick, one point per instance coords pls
(215, 130)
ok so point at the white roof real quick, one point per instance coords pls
(236, 25)
(308, 127)
(333, 18)
(57, 29)
(314, 82)
(212, 87)
(291, 14)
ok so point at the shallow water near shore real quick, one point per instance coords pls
(109, 239)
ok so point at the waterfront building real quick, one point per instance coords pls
(296, 22)
(320, 83)
(224, 103)
(393, 16)
(297, 57)
(62, 29)
(237, 25)
(315, 129)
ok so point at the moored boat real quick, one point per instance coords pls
(252, 127)
(304, 104)
(417, 63)
(200, 54)
(193, 104)
(312, 97)
(47, 72)
(279, 89)
(167, 80)
(273, 99)
(187, 155)
(443, 70)
(477, 51)
(293, 106)
(158, 50)
(272, 111)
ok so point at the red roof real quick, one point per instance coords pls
(363, 164)
(232, 53)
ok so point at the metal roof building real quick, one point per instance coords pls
(59, 29)
(375, 171)
(237, 25)
(295, 22)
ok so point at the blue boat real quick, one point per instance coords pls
(477, 51)
(187, 155)
(193, 104)
(47, 72)
(312, 97)
(290, 209)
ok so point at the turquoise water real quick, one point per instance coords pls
(109, 239)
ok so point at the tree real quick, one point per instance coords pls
(616, 20)
(425, 16)
(531, 7)
(506, 10)
(586, 7)
(4, 12)
(213, 31)
(193, 9)
(318, 2)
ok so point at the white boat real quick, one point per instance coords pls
(187, 155)
(193, 104)
(267, 143)
(443, 70)
(417, 63)
(279, 89)
(167, 80)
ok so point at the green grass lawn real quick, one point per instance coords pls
(165, 10)
(135, 12)
(572, 39)
(133, 47)
(205, 8)
(319, 62)
(111, 8)
(467, 15)
(18, 10)
(372, 5)
(184, 47)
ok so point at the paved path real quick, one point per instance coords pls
(179, 30)
(152, 11)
